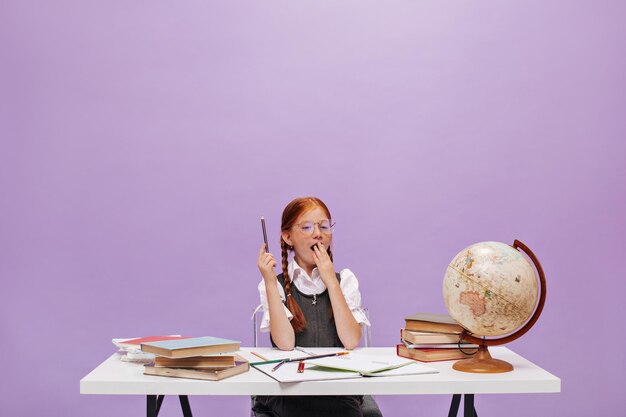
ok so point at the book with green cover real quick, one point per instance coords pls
(195, 346)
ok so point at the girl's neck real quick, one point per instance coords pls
(307, 268)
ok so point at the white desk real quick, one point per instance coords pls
(121, 378)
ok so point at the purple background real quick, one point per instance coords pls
(141, 141)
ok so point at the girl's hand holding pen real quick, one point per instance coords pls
(266, 264)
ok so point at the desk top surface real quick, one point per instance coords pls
(114, 376)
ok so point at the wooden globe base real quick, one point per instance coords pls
(482, 363)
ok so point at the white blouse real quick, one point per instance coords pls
(314, 285)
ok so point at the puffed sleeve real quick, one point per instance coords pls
(350, 289)
(265, 321)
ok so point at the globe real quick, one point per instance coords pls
(491, 289)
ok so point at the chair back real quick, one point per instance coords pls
(255, 324)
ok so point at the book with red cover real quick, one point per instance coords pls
(432, 355)
(138, 341)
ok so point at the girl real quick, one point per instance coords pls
(308, 304)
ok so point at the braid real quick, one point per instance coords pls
(298, 322)
(283, 253)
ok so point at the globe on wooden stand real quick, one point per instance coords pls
(490, 288)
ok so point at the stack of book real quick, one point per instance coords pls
(431, 337)
(208, 358)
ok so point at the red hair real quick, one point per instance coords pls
(291, 213)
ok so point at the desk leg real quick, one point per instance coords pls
(154, 405)
(468, 408)
(184, 404)
(454, 406)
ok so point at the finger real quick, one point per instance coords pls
(319, 250)
(317, 258)
(262, 250)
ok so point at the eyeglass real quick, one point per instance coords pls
(326, 227)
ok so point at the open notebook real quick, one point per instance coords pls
(353, 365)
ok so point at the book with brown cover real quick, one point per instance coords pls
(434, 323)
(432, 355)
(217, 361)
(215, 374)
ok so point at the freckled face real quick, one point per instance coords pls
(302, 241)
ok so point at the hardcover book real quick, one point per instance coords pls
(215, 361)
(428, 337)
(432, 355)
(195, 346)
(241, 366)
(467, 347)
(429, 322)
(136, 343)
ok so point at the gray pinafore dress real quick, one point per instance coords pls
(320, 331)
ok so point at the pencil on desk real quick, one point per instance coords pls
(326, 355)
(259, 356)
(301, 360)
(285, 360)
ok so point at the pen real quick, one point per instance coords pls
(267, 249)
(303, 351)
(279, 364)
(266, 362)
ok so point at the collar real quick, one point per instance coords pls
(305, 284)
